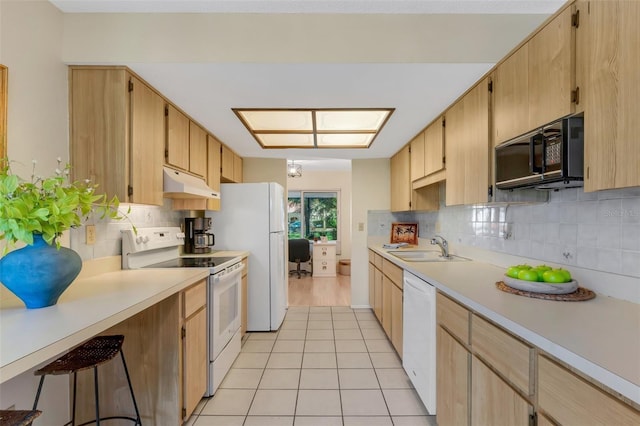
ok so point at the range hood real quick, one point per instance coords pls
(183, 185)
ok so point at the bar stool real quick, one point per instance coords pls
(18, 417)
(90, 354)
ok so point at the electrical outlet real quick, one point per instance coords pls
(90, 237)
(360, 226)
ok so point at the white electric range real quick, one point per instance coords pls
(160, 248)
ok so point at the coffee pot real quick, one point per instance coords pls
(198, 239)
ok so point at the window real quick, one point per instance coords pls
(313, 214)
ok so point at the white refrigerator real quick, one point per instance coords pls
(252, 218)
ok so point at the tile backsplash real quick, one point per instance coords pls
(592, 230)
(108, 238)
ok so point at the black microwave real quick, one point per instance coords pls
(550, 157)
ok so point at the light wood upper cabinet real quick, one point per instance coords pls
(237, 169)
(117, 133)
(608, 64)
(213, 170)
(401, 180)
(417, 157)
(534, 85)
(467, 148)
(197, 150)
(231, 166)
(551, 75)
(510, 97)
(434, 147)
(177, 151)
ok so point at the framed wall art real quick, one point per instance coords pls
(404, 233)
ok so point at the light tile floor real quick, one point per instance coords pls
(326, 366)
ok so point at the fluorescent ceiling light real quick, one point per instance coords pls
(314, 128)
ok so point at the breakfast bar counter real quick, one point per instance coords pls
(91, 305)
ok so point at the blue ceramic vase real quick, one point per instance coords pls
(38, 274)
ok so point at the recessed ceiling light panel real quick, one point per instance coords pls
(314, 127)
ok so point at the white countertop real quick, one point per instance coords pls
(89, 306)
(599, 337)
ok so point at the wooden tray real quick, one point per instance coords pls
(579, 295)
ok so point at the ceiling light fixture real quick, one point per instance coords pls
(314, 127)
(294, 170)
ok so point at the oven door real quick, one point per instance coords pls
(224, 312)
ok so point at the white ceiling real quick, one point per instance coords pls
(417, 89)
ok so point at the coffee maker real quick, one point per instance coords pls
(198, 239)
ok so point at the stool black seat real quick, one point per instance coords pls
(90, 354)
(18, 417)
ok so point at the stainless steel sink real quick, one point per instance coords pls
(424, 256)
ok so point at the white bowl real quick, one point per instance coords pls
(541, 287)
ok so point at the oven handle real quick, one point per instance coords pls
(226, 276)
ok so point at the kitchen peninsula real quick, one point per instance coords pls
(145, 303)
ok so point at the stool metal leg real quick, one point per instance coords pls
(35, 403)
(95, 386)
(133, 397)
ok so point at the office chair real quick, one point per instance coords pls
(299, 252)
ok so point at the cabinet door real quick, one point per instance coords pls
(213, 170)
(194, 360)
(510, 97)
(401, 180)
(452, 381)
(372, 285)
(147, 145)
(226, 170)
(237, 169)
(493, 402)
(386, 304)
(550, 73)
(396, 319)
(177, 153)
(572, 401)
(417, 157)
(434, 148)
(197, 150)
(468, 148)
(608, 38)
(377, 303)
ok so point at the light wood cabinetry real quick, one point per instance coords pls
(392, 303)
(375, 283)
(177, 145)
(493, 402)
(231, 166)
(434, 147)
(570, 400)
(117, 133)
(197, 150)
(213, 170)
(453, 363)
(417, 157)
(467, 148)
(534, 85)
(401, 180)
(608, 42)
(396, 318)
(194, 347)
(324, 259)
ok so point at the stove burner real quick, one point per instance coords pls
(192, 262)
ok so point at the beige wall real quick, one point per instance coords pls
(334, 180)
(37, 129)
(371, 191)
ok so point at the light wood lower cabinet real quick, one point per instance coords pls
(396, 318)
(168, 372)
(194, 347)
(493, 401)
(387, 285)
(570, 400)
(452, 380)
(386, 297)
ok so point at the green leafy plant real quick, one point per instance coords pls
(47, 205)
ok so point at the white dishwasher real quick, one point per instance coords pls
(419, 337)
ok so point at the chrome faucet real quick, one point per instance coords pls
(442, 243)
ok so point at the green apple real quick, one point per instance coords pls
(567, 274)
(528, 275)
(513, 271)
(524, 266)
(540, 272)
(543, 267)
(554, 276)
